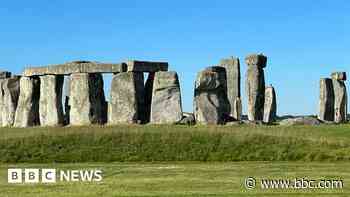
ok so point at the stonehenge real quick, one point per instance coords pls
(146, 92)
(211, 104)
(87, 100)
(50, 101)
(233, 76)
(270, 105)
(326, 103)
(27, 112)
(255, 86)
(9, 99)
(124, 107)
(333, 101)
(166, 107)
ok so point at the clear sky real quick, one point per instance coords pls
(303, 39)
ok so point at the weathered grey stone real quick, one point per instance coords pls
(305, 120)
(340, 101)
(10, 92)
(50, 107)
(5, 74)
(145, 66)
(259, 60)
(339, 76)
(126, 98)
(27, 112)
(326, 102)
(87, 99)
(211, 105)
(233, 76)
(237, 106)
(270, 106)
(75, 67)
(187, 119)
(255, 86)
(166, 99)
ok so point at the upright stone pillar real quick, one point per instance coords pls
(340, 97)
(50, 107)
(3, 75)
(166, 105)
(270, 105)
(87, 99)
(255, 85)
(326, 102)
(233, 76)
(148, 97)
(27, 112)
(10, 91)
(211, 105)
(126, 98)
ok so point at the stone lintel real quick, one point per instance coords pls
(5, 74)
(75, 67)
(147, 66)
(259, 60)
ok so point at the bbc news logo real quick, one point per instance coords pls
(52, 175)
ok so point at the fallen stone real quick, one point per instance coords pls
(233, 76)
(270, 106)
(87, 99)
(10, 94)
(255, 86)
(146, 66)
(187, 119)
(300, 121)
(27, 112)
(75, 67)
(326, 102)
(166, 99)
(50, 107)
(211, 105)
(340, 101)
(126, 98)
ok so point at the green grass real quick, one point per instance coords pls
(181, 179)
(175, 143)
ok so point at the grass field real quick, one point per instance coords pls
(178, 160)
(175, 143)
(182, 179)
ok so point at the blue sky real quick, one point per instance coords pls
(304, 39)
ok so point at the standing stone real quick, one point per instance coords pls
(50, 107)
(27, 112)
(237, 106)
(340, 97)
(166, 99)
(126, 98)
(270, 106)
(148, 97)
(255, 86)
(233, 76)
(326, 103)
(10, 92)
(87, 99)
(211, 105)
